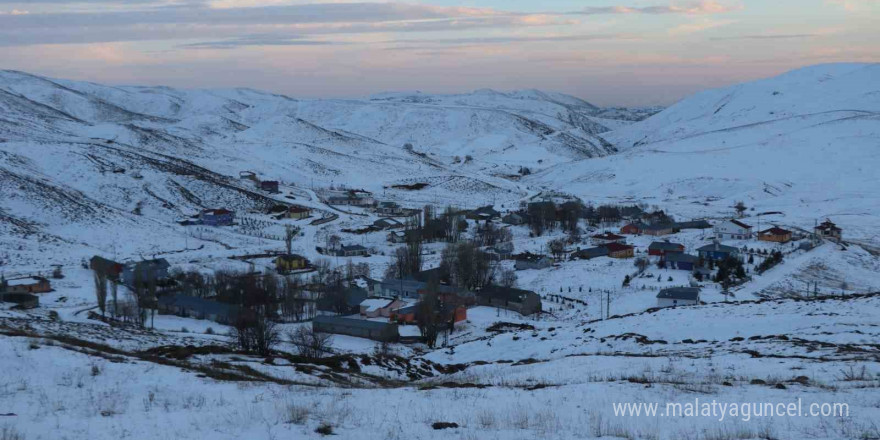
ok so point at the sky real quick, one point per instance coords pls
(609, 52)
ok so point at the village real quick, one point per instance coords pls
(349, 265)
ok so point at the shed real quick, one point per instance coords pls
(360, 328)
(678, 296)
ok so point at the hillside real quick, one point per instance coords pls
(802, 145)
(88, 169)
(83, 164)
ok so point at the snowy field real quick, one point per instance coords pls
(92, 170)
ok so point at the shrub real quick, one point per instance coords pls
(298, 414)
(324, 429)
(10, 433)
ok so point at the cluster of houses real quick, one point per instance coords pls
(144, 271)
(211, 217)
(351, 198)
(382, 306)
(23, 291)
(607, 244)
(295, 212)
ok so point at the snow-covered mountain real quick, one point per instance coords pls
(80, 159)
(805, 144)
(83, 163)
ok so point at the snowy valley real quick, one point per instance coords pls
(724, 248)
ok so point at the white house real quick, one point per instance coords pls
(733, 230)
(678, 296)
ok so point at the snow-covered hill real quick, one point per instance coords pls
(78, 158)
(806, 144)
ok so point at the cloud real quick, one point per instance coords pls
(698, 26)
(500, 40)
(854, 5)
(14, 12)
(259, 40)
(702, 7)
(193, 22)
(766, 37)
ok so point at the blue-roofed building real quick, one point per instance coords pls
(681, 261)
(199, 308)
(717, 251)
(360, 328)
(678, 296)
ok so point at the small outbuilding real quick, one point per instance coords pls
(360, 328)
(525, 302)
(775, 234)
(678, 296)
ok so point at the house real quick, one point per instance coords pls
(414, 286)
(828, 230)
(717, 251)
(360, 328)
(528, 260)
(390, 208)
(217, 217)
(409, 235)
(658, 229)
(590, 253)
(775, 234)
(661, 248)
(514, 218)
(23, 300)
(269, 186)
(109, 268)
(379, 307)
(632, 228)
(484, 213)
(733, 230)
(353, 297)
(607, 237)
(387, 223)
(617, 250)
(199, 308)
(145, 272)
(525, 302)
(288, 262)
(405, 314)
(354, 250)
(695, 224)
(504, 250)
(351, 199)
(678, 296)
(681, 261)
(297, 212)
(25, 285)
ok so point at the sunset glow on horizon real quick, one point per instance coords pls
(609, 52)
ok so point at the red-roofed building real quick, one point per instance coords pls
(617, 250)
(775, 234)
(828, 230)
(607, 237)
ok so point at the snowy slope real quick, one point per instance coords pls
(84, 163)
(806, 144)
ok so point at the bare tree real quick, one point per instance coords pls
(432, 315)
(255, 333)
(114, 293)
(333, 242)
(641, 263)
(101, 291)
(740, 208)
(309, 343)
(556, 247)
(290, 232)
(507, 278)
